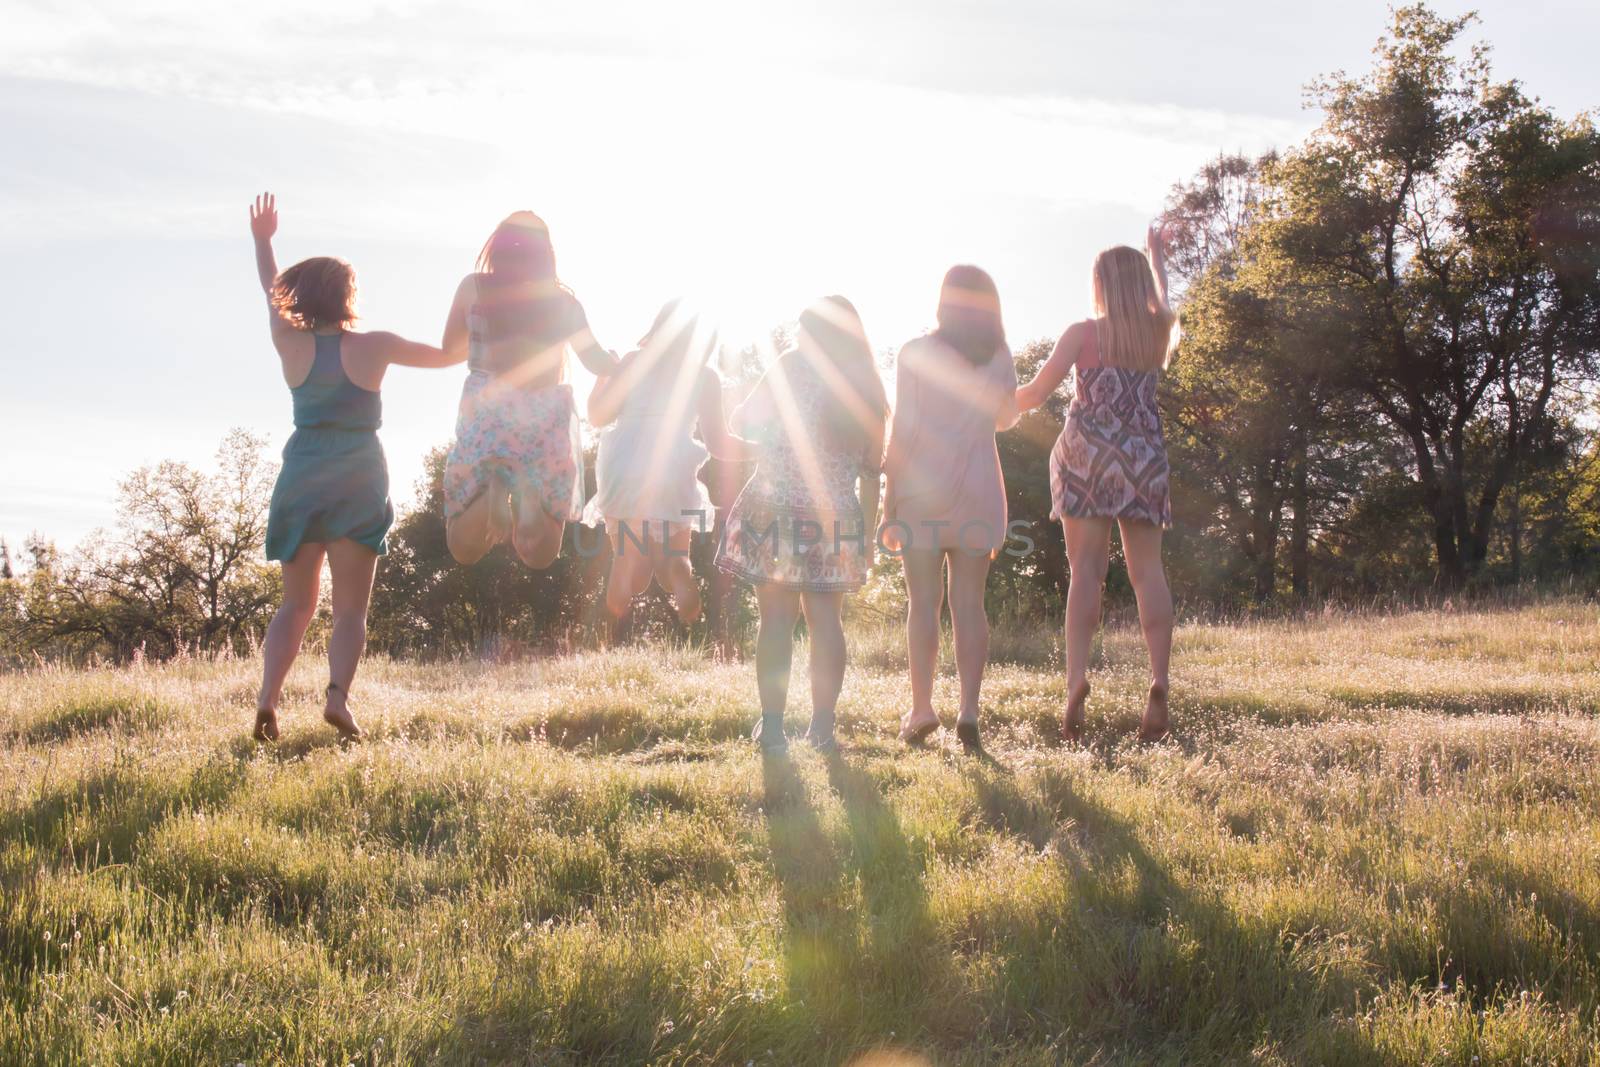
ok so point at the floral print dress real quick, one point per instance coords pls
(798, 521)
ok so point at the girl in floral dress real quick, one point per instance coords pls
(798, 531)
(516, 467)
(1110, 464)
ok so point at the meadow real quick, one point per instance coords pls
(1375, 840)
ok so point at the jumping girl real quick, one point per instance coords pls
(332, 495)
(648, 494)
(515, 469)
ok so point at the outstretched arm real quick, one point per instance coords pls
(599, 361)
(403, 353)
(719, 440)
(1055, 369)
(263, 224)
(1155, 243)
(455, 338)
(605, 399)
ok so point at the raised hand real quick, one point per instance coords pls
(264, 217)
(1159, 236)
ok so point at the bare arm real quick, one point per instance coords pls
(720, 441)
(1055, 369)
(263, 225)
(392, 348)
(454, 342)
(756, 409)
(599, 361)
(871, 486)
(605, 400)
(1156, 246)
(1006, 411)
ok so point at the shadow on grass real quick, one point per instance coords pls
(1159, 972)
(124, 714)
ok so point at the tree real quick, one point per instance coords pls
(1452, 224)
(183, 569)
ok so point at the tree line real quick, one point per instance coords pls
(1386, 383)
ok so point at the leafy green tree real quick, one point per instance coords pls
(1452, 225)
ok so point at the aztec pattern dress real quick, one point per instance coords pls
(1111, 458)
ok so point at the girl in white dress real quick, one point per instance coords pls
(648, 493)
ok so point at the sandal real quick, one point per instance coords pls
(1077, 715)
(266, 724)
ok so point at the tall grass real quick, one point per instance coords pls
(1376, 841)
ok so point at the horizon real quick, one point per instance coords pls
(145, 135)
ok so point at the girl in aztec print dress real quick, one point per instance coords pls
(1110, 464)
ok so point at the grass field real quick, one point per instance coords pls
(1376, 840)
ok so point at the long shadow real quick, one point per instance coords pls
(906, 959)
(821, 932)
(1168, 972)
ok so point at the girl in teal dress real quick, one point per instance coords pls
(332, 496)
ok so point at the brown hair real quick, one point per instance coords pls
(316, 293)
(857, 405)
(969, 314)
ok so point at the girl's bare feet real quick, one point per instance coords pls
(337, 713)
(1157, 723)
(1077, 714)
(914, 730)
(266, 724)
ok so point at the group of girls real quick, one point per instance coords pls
(805, 528)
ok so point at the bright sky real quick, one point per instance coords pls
(755, 154)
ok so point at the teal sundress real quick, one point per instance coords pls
(334, 482)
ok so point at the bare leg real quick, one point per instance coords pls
(1141, 545)
(780, 610)
(968, 577)
(537, 534)
(302, 584)
(630, 570)
(676, 576)
(825, 622)
(481, 525)
(352, 566)
(924, 570)
(1088, 553)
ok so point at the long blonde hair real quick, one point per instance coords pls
(1137, 329)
